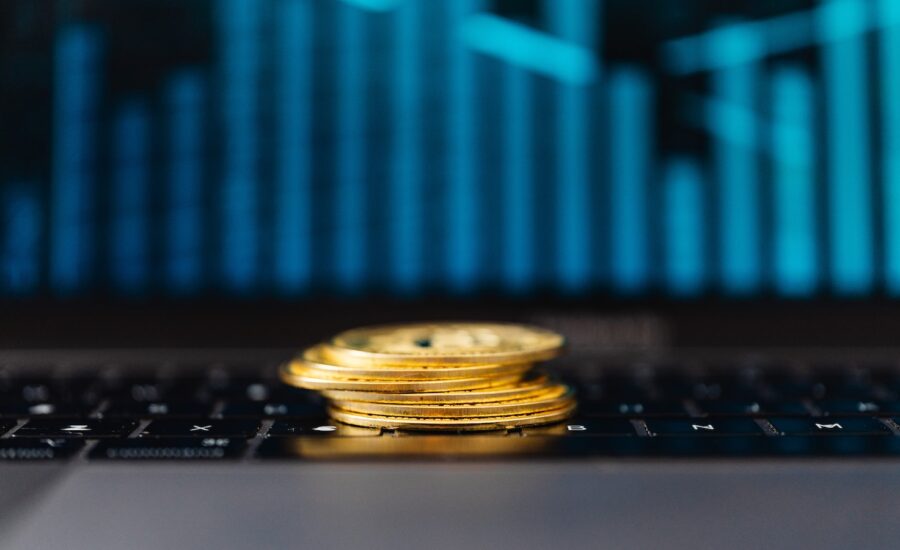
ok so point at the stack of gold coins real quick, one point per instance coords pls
(436, 376)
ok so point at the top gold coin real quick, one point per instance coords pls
(443, 343)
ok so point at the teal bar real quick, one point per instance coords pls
(20, 251)
(350, 193)
(407, 197)
(240, 37)
(293, 190)
(794, 215)
(185, 102)
(76, 74)
(521, 45)
(889, 55)
(683, 227)
(850, 206)
(736, 165)
(130, 232)
(631, 128)
(576, 21)
(518, 183)
(463, 250)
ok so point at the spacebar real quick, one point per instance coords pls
(411, 446)
(212, 448)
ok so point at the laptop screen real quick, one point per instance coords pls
(310, 148)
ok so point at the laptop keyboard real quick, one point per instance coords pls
(630, 412)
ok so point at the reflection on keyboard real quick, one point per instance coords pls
(625, 412)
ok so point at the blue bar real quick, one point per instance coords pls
(519, 240)
(850, 201)
(21, 231)
(463, 206)
(521, 45)
(736, 164)
(889, 55)
(129, 233)
(350, 163)
(631, 122)
(683, 230)
(293, 201)
(185, 103)
(407, 219)
(794, 215)
(576, 21)
(375, 5)
(75, 105)
(240, 99)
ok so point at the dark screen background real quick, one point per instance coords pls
(314, 148)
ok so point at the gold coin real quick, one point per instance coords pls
(556, 397)
(451, 424)
(529, 386)
(313, 362)
(442, 344)
(302, 377)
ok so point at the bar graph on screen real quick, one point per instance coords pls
(253, 169)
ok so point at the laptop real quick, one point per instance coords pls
(701, 198)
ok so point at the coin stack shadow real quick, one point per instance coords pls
(414, 382)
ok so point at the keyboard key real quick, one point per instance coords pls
(258, 390)
(201, 428)
(848, 406)
(703, 426)
(888, 407)
(631, 409)
(213, 448)
(157, 409)
(38, 449)
(272, 410)
(583, 426)
(76, 428)
(317, 427)
(753, 408)
(139, 390)
(830, 425)
(32, 390)
(22, 409)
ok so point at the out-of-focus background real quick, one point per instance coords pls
(308, 148)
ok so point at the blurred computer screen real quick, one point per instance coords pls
(296, 148)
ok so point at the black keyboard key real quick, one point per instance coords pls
(888, 407)
(32, 390)
(317, 427)
(38, 449)
(583, 426)
(6, 425)
(212, 448)
(631, 408)
(830, 425)
(703, 426)
(273, 410)
(142, 391)
(753, 408)
(201, 428)
(22, 409)
(76, 428)
(848, 406)
(157, 409)
(242, 389)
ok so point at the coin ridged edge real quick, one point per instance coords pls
(459, 424)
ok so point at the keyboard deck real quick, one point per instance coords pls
(628, 411)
